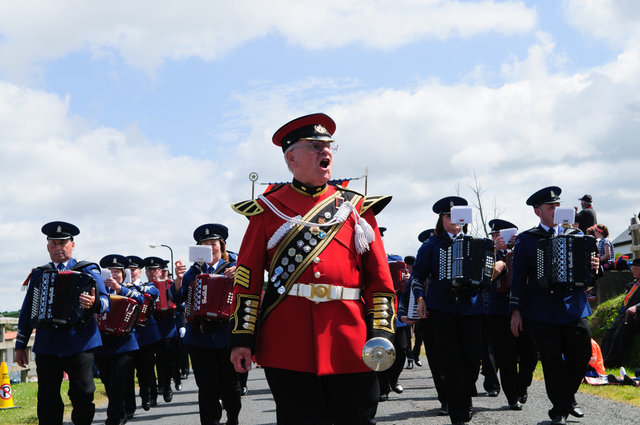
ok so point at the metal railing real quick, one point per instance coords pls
(6, 349)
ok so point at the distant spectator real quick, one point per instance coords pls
(605, 246)
(618, 337)
(586, 217)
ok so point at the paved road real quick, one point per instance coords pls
(416, 405)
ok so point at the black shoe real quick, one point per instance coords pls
(418, 363)
(409, 364)
(493, 393)
(167, 396)
(397, 388)
(130, 415)
(515, 406)
(384, 397)
(244, 391)
(153, 402)
(184, 375)
(523, 398)
(179, 387)
(559, 420)
(232, 421)
(146, 405)
(444, 410)
(576, 411)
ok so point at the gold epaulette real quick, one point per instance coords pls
(376, 203)
(247, 208)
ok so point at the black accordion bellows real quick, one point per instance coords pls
(56, 300)
(565, 261)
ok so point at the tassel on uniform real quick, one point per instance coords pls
(363, 235)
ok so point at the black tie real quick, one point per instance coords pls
(61, 267)
(552, 232)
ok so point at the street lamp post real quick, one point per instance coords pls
(152, 245)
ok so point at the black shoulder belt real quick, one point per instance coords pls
(76, 267)
(300, 246)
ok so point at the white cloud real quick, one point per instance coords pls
(616, 21)
(146, 33)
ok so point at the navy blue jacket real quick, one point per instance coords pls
(440, 295)
(534, 302)
(58, 341)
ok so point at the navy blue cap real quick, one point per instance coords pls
(309, 127)
(498, 224)
(586, 198)
(211, 231)
(409, 260)
(135, 261)
(424, 235)
(548, 195)
(443, 206)
(153, 262)
(635, 262)
(60, 230)
(382, 230)
(165, 265)
(114, 261)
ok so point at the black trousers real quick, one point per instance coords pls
(565, 351)
(79, 368)
(217, 380)
(183, 358)
(489, 367)
(459, 340)
(516, 358)
(114, 370)
(144, 361)
(307, 399)
(434, 354)
(389, 377)
(166, 362)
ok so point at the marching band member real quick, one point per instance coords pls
(165, 347)
(208, 342)
(516, 358)
(329, 287)
(455, 314)
(147, 336)
(115, 357)
(558, 317)
(61, 350)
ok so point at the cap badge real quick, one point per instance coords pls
(320, 129)
(206, 231)
(115, 261)
(59, 229)
(451, 204)
(553, 195)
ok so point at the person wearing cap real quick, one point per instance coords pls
(558, 318)
(617, 340)
(586, 217)
(165, 355)
(329, 286)
(455, 314)
(516, 358)
(208, 342)
(147, 335)
(115, 357)
(60, 350)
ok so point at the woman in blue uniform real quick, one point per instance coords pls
(115, 357)
(455, 313)
(208, 343)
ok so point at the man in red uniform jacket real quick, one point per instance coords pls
(329, 288)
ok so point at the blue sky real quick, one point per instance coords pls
(140, 121)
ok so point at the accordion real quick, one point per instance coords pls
(468, 261)
(397, 268)
(56, 300)
(565, 261)
(209, 297)
(164, 306)
(146, 308)
(121, 318)
(503, 284)
(412, 308)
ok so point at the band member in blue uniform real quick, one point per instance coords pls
(165, 347)
(115, 357)
(558, 317)
(147, 336)
(208, 342)
(455, 314)
(516, 358)
(60, 350)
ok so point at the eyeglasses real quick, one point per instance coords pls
(317, 146)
